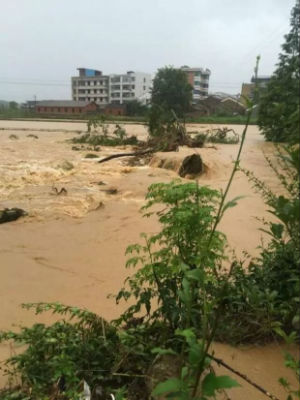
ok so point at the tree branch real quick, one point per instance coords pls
(243, 376)
(137, 153)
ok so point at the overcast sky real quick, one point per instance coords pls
(42, 42)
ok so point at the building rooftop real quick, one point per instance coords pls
(195, 69)
(261, 78)
(62, 103)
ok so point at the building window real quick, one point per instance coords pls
(66, 110)
(144, 80)
(73, 110)
(144, 87)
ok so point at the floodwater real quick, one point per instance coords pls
(70, 248)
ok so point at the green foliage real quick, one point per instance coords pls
(171, 97)
(268, 293)
(135, 108)
(84, 349)
(279, 103)
(13, 105)
(219, 135)
(291, 363)
(171, 90)
(186, 386)
(171, 258)
(181, 273)
(98, 134)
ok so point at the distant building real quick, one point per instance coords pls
(262, 80)
(115, 109)
(71, 107)
(223, 95)
(29, 105)
(218, 105)
(198, 78)
(129, 86)
(248, 89)
(92, 85)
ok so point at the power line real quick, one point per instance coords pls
(34, 83)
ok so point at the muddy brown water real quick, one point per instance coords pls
(71, 247)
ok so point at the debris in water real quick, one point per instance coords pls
(11, 214)
(66, 165)
(191, 165)
(110, 191)
(58, 192)
(33, 136)
(91, 155)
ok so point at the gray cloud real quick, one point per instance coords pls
(42, 42)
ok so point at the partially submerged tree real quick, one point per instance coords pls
(279, 104)
(171, 95)
(171, 90)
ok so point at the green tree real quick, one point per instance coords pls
(135, 108)
(171, 90)
(278, 115)
(13, 105)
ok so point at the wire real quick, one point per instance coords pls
(33, 83)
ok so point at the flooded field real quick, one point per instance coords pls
(70, 248)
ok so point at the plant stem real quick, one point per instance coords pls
(217, 220)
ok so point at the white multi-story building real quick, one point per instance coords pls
(129, 86)
(198, 78)
(91, 85)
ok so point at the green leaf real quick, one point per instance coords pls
(277, 230)
(211, 383)
(184, 372)
(168, 386)
(158, 350)
(197, 274)
(187, 333)
(231, 203)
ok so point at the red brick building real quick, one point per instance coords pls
(115, 109)
(70, 107)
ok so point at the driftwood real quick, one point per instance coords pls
(243, 376)
(132, 154)
(59, 192)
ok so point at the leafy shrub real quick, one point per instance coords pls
(82, 349)
(267, 295)
(187, 219)
(98, 134)
(278, 115)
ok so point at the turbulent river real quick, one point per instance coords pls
(70, 248)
